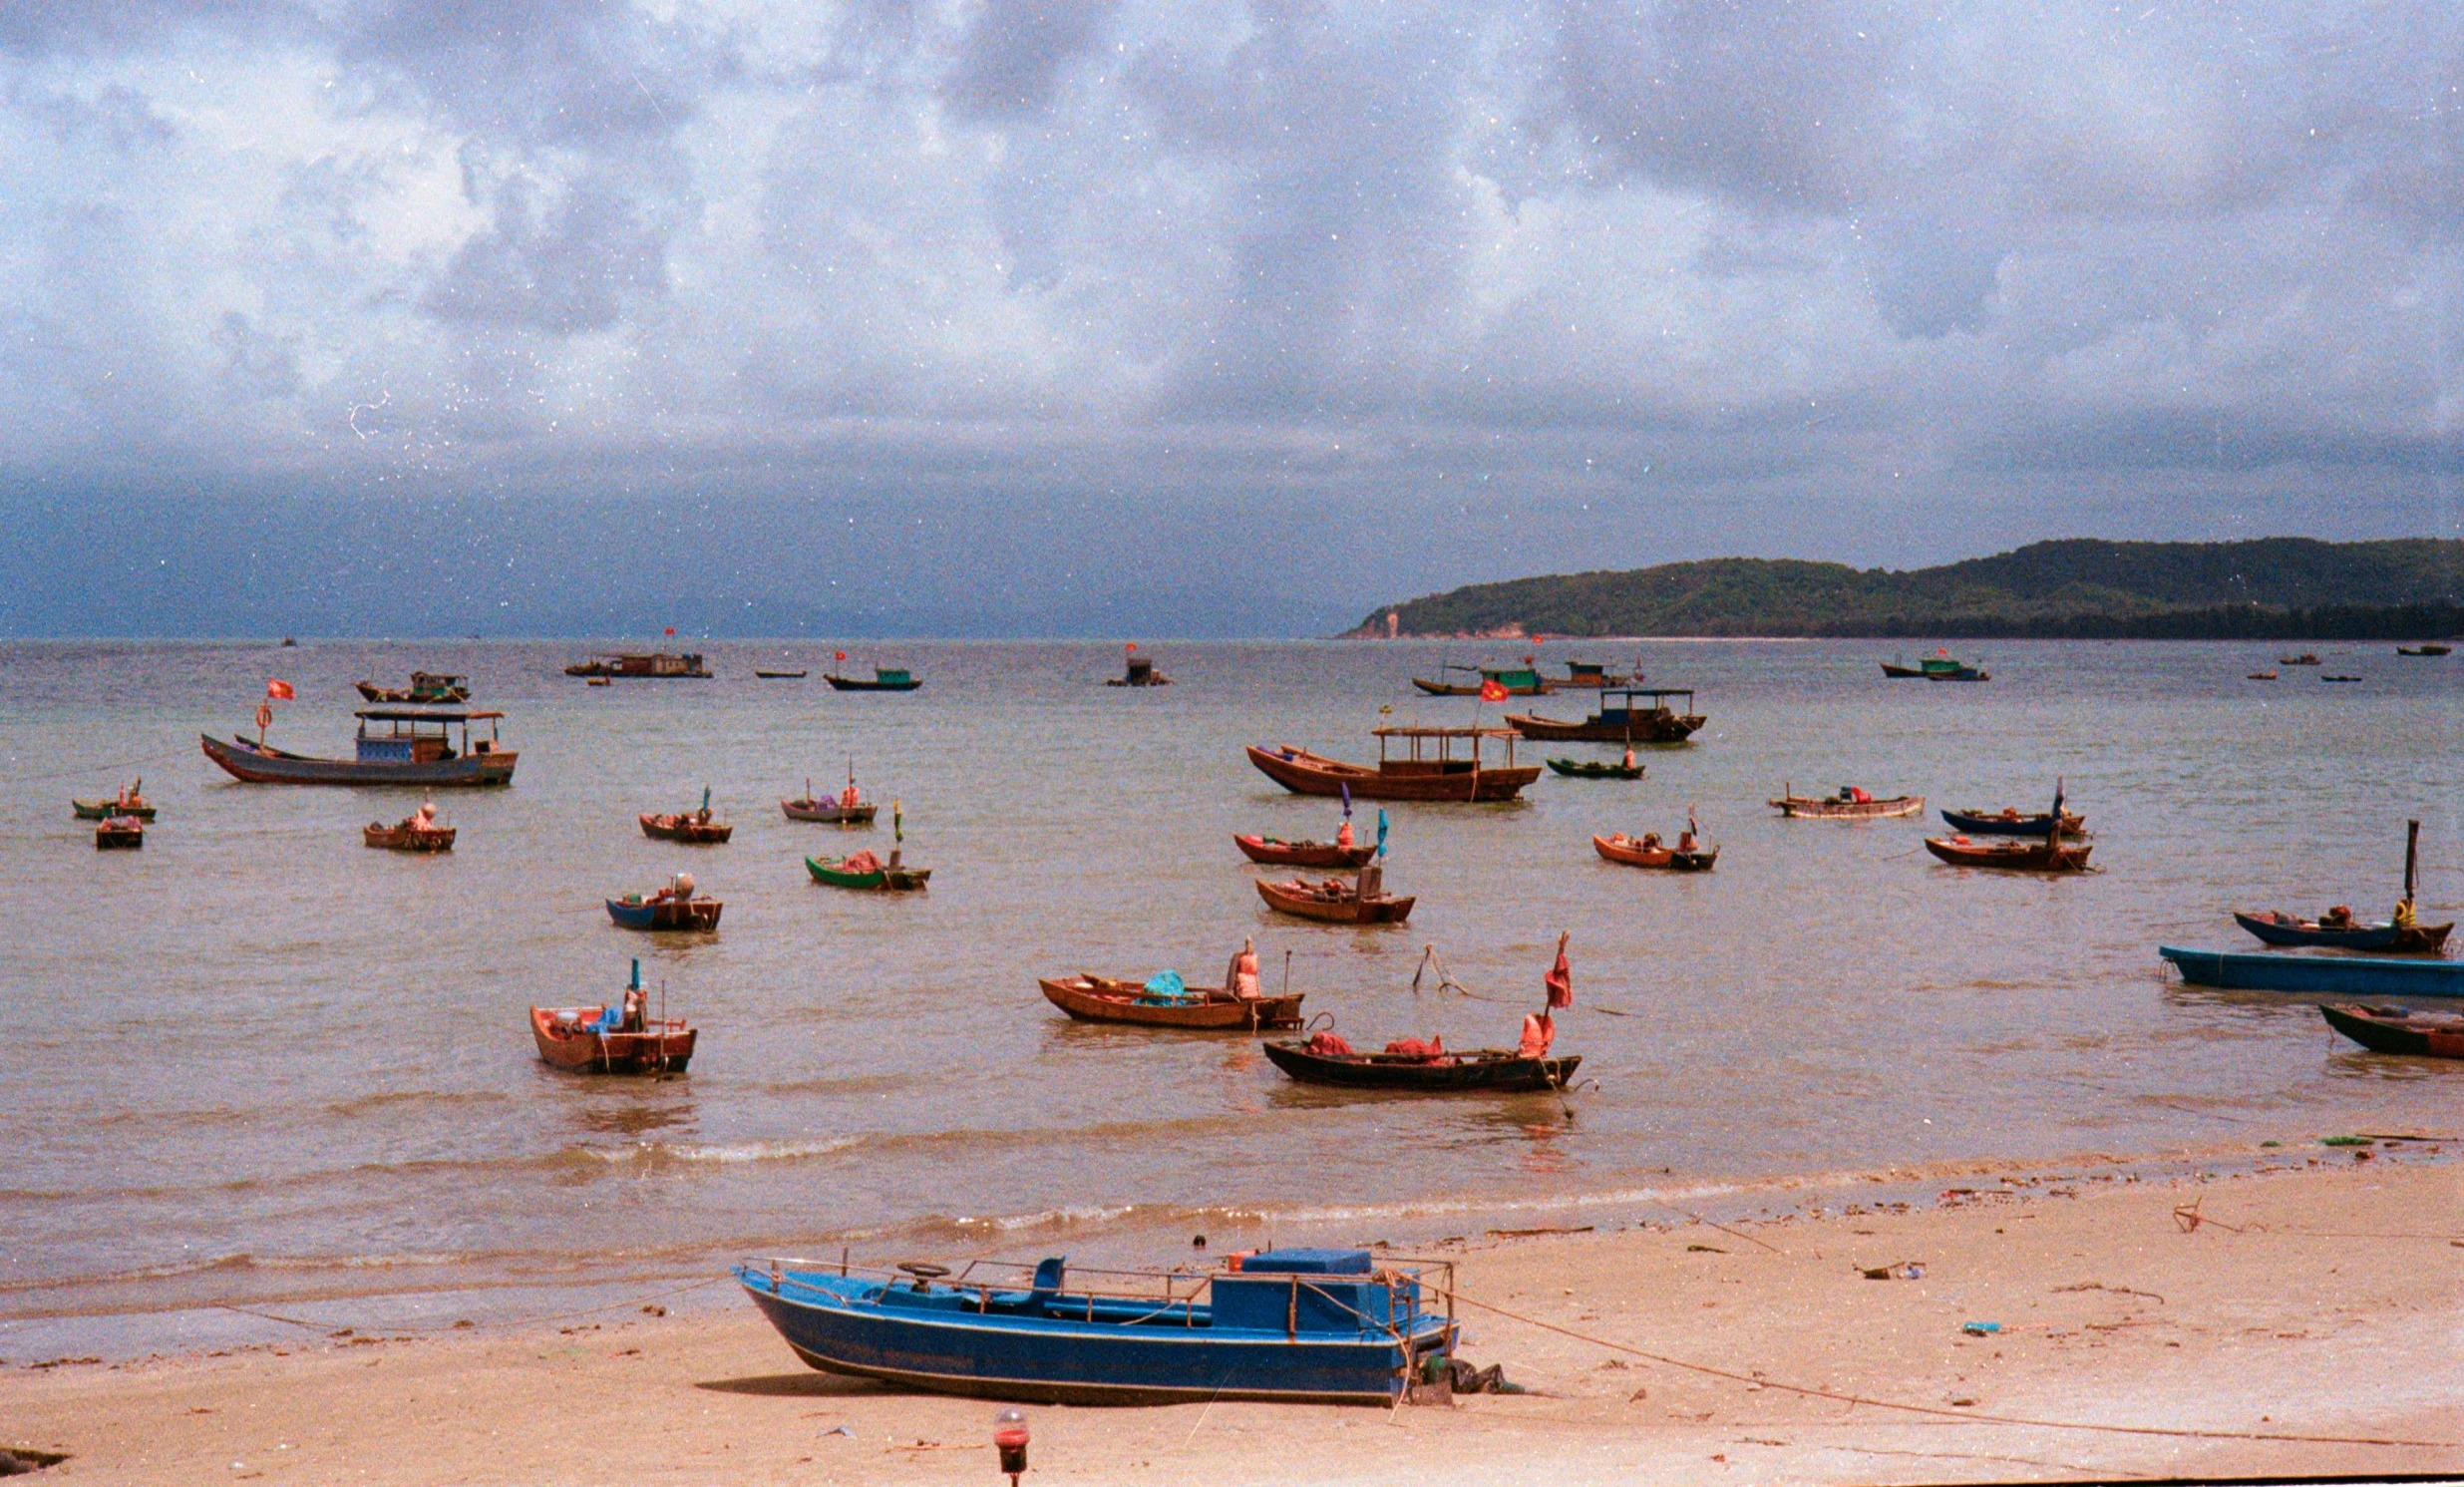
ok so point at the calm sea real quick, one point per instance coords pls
(258, 1065)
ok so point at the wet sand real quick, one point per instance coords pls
(2310, 1322)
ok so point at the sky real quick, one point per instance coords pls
(1011, 317)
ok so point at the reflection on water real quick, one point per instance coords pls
(259, 1037)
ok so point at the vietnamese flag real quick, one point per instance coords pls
(1491, 689)
(839, 655)
(279, 691)
(671, 630)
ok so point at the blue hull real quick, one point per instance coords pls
(1130, 1353)
(2001, 826)
(2338, 975)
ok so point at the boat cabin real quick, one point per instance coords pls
(421, 735)
(1655, 704)
(1434, 751)
(893, 676)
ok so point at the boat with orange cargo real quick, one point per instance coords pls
(620, 1038)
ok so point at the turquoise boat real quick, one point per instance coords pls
(2334, 975)
(1294, 1326)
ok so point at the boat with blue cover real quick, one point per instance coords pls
(2340, 975)
(1330, 1326)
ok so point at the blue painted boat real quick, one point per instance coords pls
(2340, 975)
(1995, 824)
(1296, 1326)
(2386, 938)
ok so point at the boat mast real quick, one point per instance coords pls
(2412, 850)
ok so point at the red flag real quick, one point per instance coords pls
(1491, 689)
(1133, 646)
(671, 630)
(1560, 981)
(841, 656)
(279, 691)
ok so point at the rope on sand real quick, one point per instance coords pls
(1935, 1411)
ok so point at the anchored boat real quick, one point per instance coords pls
(1627, 715)
(657, 666)
(394, 746)
(2345, 976)
(1296, 1325)
(1417, 776)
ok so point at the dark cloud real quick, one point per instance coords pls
(1689, 269)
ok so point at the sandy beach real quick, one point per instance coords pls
(2308, 1320)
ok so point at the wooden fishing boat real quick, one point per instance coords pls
(2303, 659)
(2335, 974)
(1302, 854)
(1330, 1326)
(1093, 999)
(2012, 855)
(1618, 847)
(1592, 769)
(1335, 902)
(1907, 673)
(1414, 777)
(621, 1038)
(1518, 682)
(1620, 719)
(2397, 1031)
(1139, 672)
(2340, 678)
(657, 666)
(2262, 676)
(1485, 1070)
(1847, 806)
(693, 827)
(2400, 935)
(827, 810)
(414, 747)
(2008, 821)
(674, 909)
(119, 832)
(130, 801)
(777, 675)
(863, 870)
(884, 679)
(565, 1039)
(1958, 673)
(2428, 649)
(426, 686)
(1590, 676)
(411, 834)
(2279, 928)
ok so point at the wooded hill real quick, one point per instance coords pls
(2276, 588)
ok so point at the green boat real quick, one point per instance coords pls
(128, 802)
(1585, 769)
(836, 873)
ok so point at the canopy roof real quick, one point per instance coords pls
(423, 714)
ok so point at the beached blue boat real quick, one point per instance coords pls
(2340, 975)
(1299, 1326)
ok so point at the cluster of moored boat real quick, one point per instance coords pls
(2427, 649)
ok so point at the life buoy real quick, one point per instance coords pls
(264, 714)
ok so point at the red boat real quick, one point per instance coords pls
(418, 831)
(690, 826)
(1302, 854)
(619, 1039)
(1651, 853)
(2012, 855)
(2398, 1030)
(1414, 777)
(1092, 998)
(1335, 902)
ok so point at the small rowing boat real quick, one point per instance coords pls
(119, 833)
(1275, 850)
(1648, 852)
(417, 832)
(2430, 648)
(1094, 998)
(850, 809)
(673, 908)
(1481, 1070)
(864, 870)
(2007, 821)
(2011, 855)
(698, 828)
(2262, 676)
(623, 1039)
(1592, 769)
(796, 675)
(1852, 803)
(2397, 1031)
(1336, 902)
(2306, 659)
(2400, 935)
(130, 801)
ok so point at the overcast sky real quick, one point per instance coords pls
(1207, 317)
